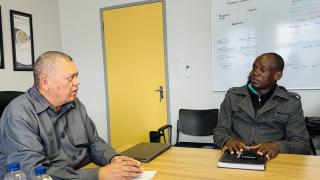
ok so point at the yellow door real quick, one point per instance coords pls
(135, 62)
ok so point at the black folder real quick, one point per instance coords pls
(228, 160)
(145, 152)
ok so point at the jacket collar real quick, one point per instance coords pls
(246, 103)
(279, 91)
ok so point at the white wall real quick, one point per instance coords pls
(46, 32)
(188, 42)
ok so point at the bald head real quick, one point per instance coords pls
(47, 64)
(276, 58)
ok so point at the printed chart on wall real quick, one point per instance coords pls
(244, 29)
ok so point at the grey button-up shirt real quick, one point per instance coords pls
(33, 133)
(279, 120)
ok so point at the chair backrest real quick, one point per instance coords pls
(6, 97)
(197, 122)
(313, 127)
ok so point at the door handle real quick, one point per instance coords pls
(160, 90)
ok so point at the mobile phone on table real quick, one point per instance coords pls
(248, 154)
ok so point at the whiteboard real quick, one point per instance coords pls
(244, 29)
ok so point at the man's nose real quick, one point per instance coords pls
(76, 81)
(256, 72)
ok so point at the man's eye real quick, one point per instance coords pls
(69, 78)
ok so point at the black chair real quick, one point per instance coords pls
(313, 127)
(6, 97)
(194, 123)
(155, 136)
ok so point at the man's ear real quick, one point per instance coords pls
(278, 75)
(44, 81)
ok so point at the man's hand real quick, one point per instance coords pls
(121, 167)
(234, 146)
(123, 158)
(270, 150)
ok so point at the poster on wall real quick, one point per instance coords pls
(1, 44)
(22, 41)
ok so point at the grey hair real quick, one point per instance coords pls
(46, 63)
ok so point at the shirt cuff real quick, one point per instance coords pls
(90, 173)
(108, 155)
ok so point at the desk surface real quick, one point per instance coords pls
(194, 163)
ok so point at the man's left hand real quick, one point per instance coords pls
(270, 150)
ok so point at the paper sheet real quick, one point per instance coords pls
(146, 175)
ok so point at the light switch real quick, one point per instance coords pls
(187, 70)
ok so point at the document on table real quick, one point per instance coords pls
(146, 175)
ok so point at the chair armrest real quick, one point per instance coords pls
(165, 127)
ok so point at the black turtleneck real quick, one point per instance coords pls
(256, 103)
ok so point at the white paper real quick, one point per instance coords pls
(146, 175)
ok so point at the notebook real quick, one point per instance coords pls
(145, 152)
(228, 160)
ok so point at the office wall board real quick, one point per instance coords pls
(244, 29)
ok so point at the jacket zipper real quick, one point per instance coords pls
(259, 100)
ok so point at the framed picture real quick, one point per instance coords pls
(1, 44)
(22, 41)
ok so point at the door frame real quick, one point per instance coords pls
(167, 89)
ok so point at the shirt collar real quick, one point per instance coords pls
(267, 95)
(41, 104)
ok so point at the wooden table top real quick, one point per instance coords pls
(194, 163)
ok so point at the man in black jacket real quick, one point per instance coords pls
(262, 115)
